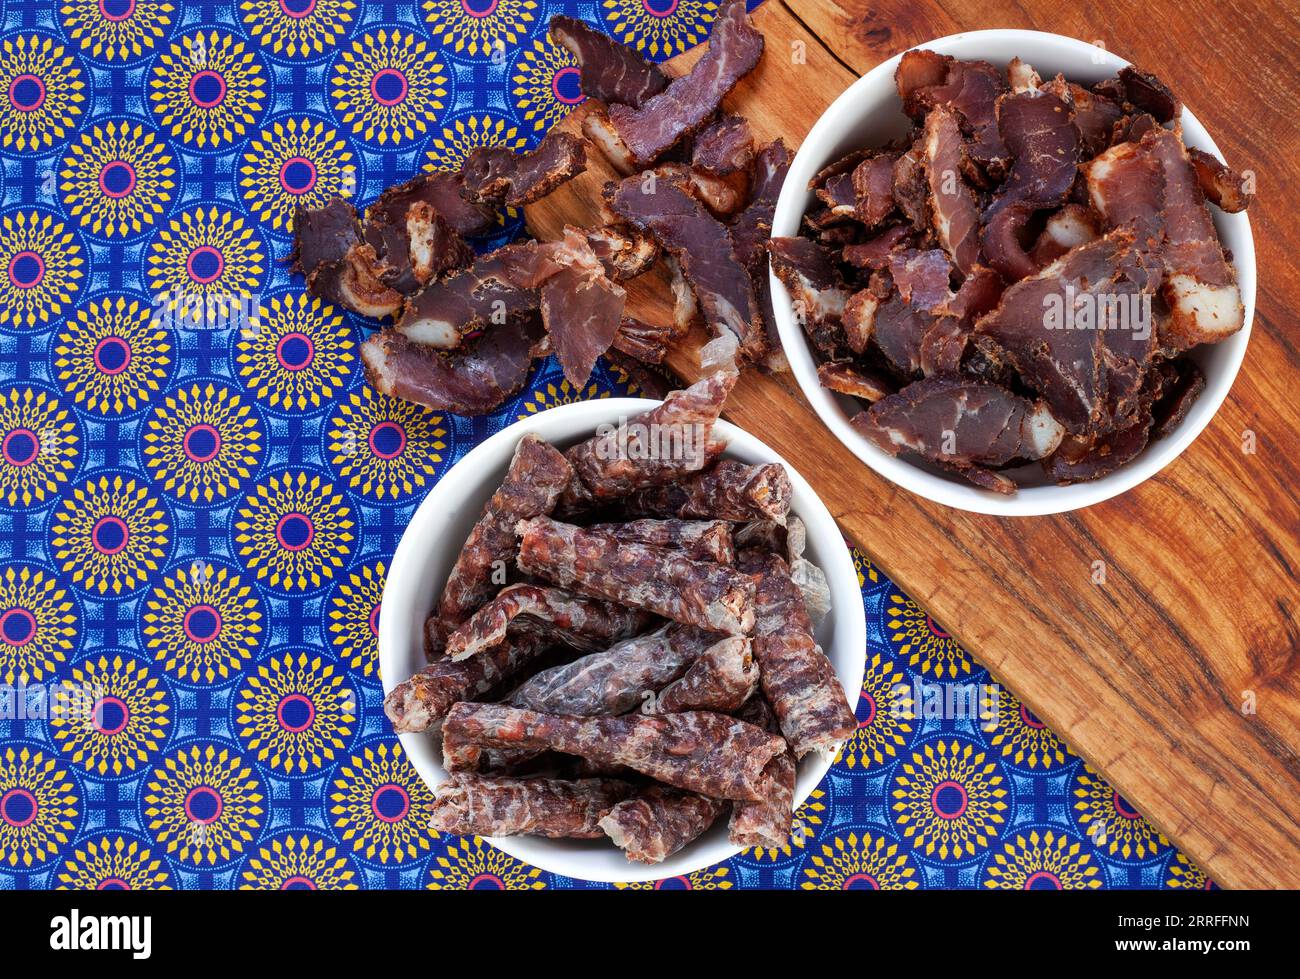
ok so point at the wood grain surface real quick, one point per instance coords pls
(1179, 677)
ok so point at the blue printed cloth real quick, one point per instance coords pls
(199, 495)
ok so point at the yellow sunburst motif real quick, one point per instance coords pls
(1110, 821)
(205, 267)
(112, 358)
(383, 446)
(849, 863)
(207, 89)
(112, 715)
(122, 38)
(354, 618)
(300, 29)
(1185, 875)
(294, 531)
(479, 28)
(42, 266)
(295, 713)
(298, 862)
(38, 446)
(202, 623)
(661, 28)
(389, 86)
(201, 443)
(38, 625)
(1022, 737)
(117, 179)
(534, 83)
(470, 864)
(295, 163)
(297, 354)
(712, 879)
(109, 534)
(808, 819)
(949, 799)
(204, 805)
(449, 148)
(866, 570)
(42, 93)
(38, 806)
(1052, 861)
(921, 642)
(551, 394)
(381, 806)
(886, 709)
(117, 864)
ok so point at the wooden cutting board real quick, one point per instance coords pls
(1179, 677)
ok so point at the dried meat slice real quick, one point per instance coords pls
(1039, 132)
(721, 678)
(498, 176)
(724, 146)
(954, 212)
(729, 491)
(624, 251)
(338, 265)
(856, 381)
(873, 188)
(615, 680)
(699, 751)
(1080, 332)
(647, 342)
(797, 678)
(537, 475)
(610, 71)
(928, 81)
(700, 593)
(477, 805)
(665, 443)
(690, 101)
(420, 702)
(440, 190)
(816, 289)
(1223, 186)
(583, 313)
(579, 621)
(475, 380)
(703, 248)
(962, 423)
(658, 821)
(423, 247)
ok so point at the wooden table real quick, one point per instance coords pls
(1179, 677)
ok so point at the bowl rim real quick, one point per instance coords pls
(840, 116)
(404, 587)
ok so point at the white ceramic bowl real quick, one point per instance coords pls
(433, 540)
(869, 113)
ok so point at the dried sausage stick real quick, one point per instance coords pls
(582, 622)
(797, 678)
(616, 680)
(701, 540)
(768, 821)
(698, 751)
(478, 805)
(537, 475)
(729, 491)
(700, 593)
(722, 678)
(659, 821)
(656, 447)
(420, 702)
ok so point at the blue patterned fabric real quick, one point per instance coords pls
(199, 495)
